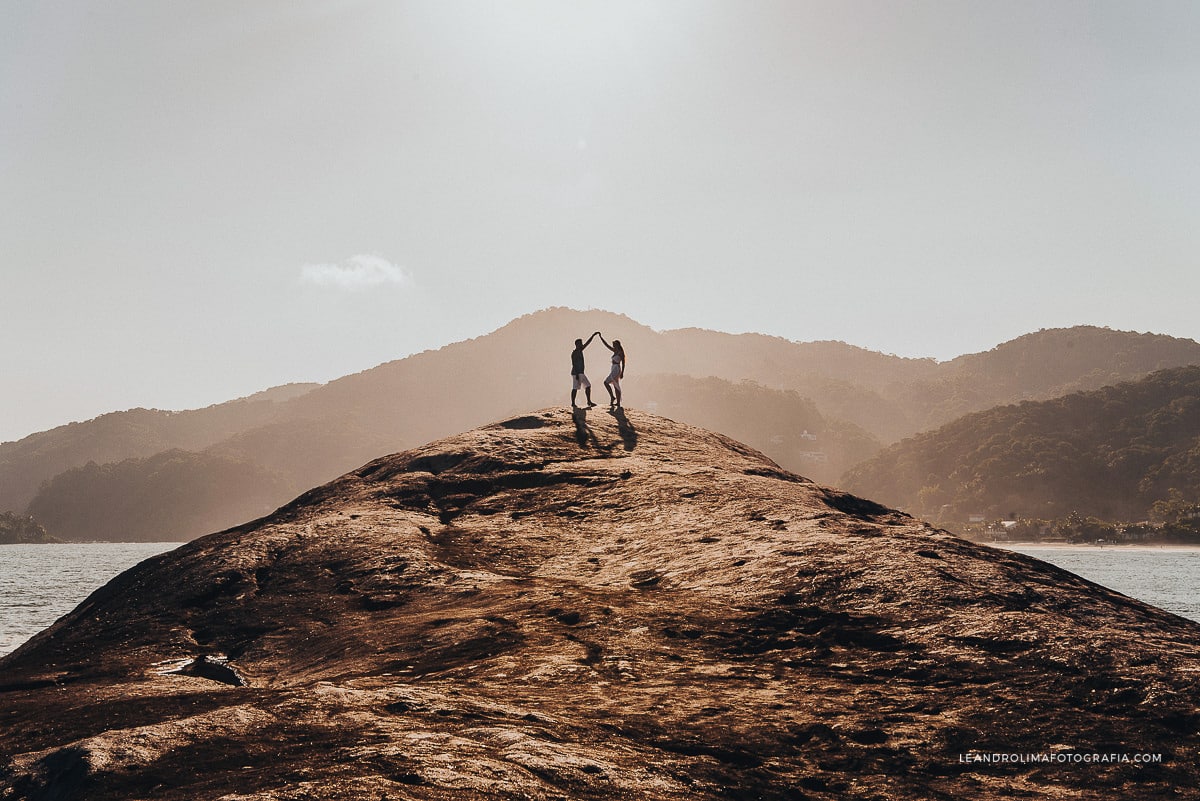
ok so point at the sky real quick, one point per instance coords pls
(202, 200)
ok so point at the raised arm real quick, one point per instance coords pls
(610, 347)
(589, 339)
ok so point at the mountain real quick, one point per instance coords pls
(782, 424)
(1039, 366)
(136, 433)
(817, 408)
(1110, 453)
(16, 529)
(594, 607)
(171, 495)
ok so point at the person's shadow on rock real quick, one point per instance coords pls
(628, 432)
(582, 432)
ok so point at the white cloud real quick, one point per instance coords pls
(362, 271)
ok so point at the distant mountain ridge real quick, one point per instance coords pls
(1039, 366)
(1110, 453)
(817, 408)
(135, 433)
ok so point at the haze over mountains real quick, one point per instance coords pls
(817, 408)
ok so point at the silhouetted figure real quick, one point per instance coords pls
(578, 379)
(613, 382)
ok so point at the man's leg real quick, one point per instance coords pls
(582, 381)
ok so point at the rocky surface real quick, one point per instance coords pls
(599, 606)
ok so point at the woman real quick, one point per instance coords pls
(613, 382)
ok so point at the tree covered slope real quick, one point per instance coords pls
(1111, 453)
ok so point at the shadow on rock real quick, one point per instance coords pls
(628, 432)
(582, 432)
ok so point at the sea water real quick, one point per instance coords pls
(41, 583)
(1167, 577)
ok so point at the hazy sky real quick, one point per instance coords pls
(200, 200)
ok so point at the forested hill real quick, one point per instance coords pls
(1038, 366)
(1110, 453)
(21, 529)
(134, 433)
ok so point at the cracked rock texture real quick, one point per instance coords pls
(576, 606)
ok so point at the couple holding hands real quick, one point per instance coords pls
(612, 383)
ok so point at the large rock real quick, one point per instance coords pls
(599, 607)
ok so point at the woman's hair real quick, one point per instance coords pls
(617, 346)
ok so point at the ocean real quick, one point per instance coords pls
(1167, 577)
(41, 583)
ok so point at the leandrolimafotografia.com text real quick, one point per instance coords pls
(1057, 758)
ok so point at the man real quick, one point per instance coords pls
(578, 379)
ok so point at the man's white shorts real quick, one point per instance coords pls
(579, 381)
